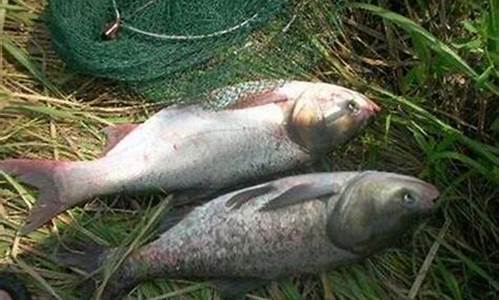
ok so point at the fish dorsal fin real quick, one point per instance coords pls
(287, 193)
(257, 99)
(246, 94)
(115, 133)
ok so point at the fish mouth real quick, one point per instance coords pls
(370, 109)
(432, 192)
(430, 195)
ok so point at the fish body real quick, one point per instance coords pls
(225, 242)
(223, 147)
(183, 148)
(295, 225)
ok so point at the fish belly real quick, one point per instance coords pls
(266, 245)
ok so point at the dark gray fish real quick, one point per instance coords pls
(182, 148)
(295, 225)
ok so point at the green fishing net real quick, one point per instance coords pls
(160, 48)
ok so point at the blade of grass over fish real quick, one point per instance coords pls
(138, 237)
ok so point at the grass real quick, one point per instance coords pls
(432, 65)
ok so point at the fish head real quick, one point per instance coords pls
(326, 115)
(376, 208)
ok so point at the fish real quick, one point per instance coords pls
(301, 224)
(190, 147)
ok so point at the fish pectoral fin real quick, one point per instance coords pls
(299, 193)
(238, 199)
(232, 289)
(115, 133)
(290, 195)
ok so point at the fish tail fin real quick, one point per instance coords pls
(93, 259)
(83, 256)
(44, 175)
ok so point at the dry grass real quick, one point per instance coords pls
(440, 122)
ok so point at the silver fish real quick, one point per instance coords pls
(295, 225)
(182, 148)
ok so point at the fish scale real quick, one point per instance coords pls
(167, 169)
(243, 243)
(191, 148)
(335, 219)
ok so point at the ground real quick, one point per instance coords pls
(432, 66)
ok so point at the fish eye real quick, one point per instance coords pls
(353, 107)
(409, 200)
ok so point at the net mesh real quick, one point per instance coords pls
(151, 44)
(182, 50)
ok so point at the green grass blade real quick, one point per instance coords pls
(435, 44)
(472, 266)
(23, 58)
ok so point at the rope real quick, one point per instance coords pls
(119, 22)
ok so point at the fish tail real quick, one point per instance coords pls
(47, 177)
(119, 285)
(93, 259)
(84, 256)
